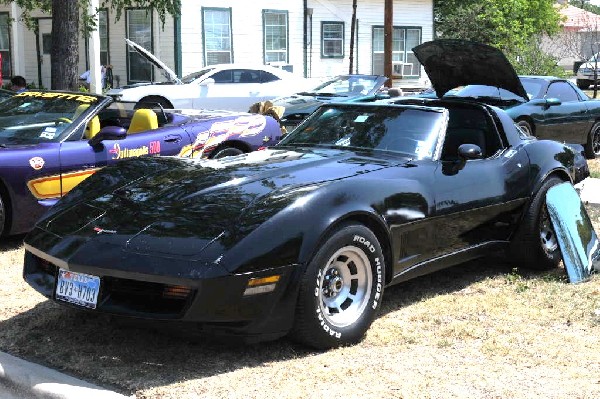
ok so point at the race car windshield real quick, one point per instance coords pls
(412, 132)
(36, 117)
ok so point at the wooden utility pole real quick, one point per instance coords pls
(352, 35)
(388, 26)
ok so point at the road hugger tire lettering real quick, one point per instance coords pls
(341, 289)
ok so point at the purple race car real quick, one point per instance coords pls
(51, 141)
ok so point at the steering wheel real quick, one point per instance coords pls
(62, 119)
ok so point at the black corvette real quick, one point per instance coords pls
(303, 238)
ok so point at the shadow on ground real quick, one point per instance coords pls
(129, 357)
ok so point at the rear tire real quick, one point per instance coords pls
(151, 101)
(341, 289)
(526, 126)
(227, 152)
(592, 147)
(535, 244)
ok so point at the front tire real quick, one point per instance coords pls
(535, 245)
(341, 289)
(592, 147)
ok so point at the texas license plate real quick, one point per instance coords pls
(78, 288)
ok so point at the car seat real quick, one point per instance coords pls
(143, 119)
(92, 128)
(455, 137)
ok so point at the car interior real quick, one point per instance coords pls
(467, 124)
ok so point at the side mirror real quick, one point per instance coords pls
(207, 82)
(546, 102)
(469, 151)
(108, 133)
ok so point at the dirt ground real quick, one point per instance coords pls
(485, 329)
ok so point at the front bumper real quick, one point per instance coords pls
(215, 303)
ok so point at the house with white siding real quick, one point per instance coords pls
(308, 37)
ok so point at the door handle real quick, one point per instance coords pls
(174, 138)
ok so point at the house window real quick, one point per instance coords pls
(103, 33)
(139, 30)
(217, 35)
(332, 39)
(5, 45)
(275, 28)
(404, 62)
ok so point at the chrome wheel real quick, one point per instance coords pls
(596, 140)
(526, 127)
(547, 235)
(344, 286)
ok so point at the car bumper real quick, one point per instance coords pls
(227, 304)
(587, 75)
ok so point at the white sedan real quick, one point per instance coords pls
(232, 87)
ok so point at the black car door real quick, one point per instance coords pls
(476, 200)
(570, 121)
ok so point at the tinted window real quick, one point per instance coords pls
(267, 77)
(410, 131)
(246, 76)
(563, 91)
(223, 77)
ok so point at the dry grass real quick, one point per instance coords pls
(479, 330)
(594, 165)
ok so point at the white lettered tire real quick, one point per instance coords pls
(341, 289)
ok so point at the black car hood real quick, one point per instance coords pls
(192, 203)
(451, 63)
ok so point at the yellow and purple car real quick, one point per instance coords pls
(50, 141)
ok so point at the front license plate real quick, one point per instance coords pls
(78, 288)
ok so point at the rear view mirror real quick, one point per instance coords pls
(108, 133)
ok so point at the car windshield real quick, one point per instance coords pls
(479, 91)
(34, 117)
(193, 76)
(346, 86)
(410, 131)
(531, 86)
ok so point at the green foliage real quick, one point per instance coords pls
(585, 5)
(530, 59)
(515, 279)
(505, 24)
(162, 7)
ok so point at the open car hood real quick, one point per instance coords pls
(451, 63)
(155, 61)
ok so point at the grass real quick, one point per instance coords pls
(594, 165)
(485, 329)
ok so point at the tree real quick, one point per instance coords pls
(66, 28)
(504, 24)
